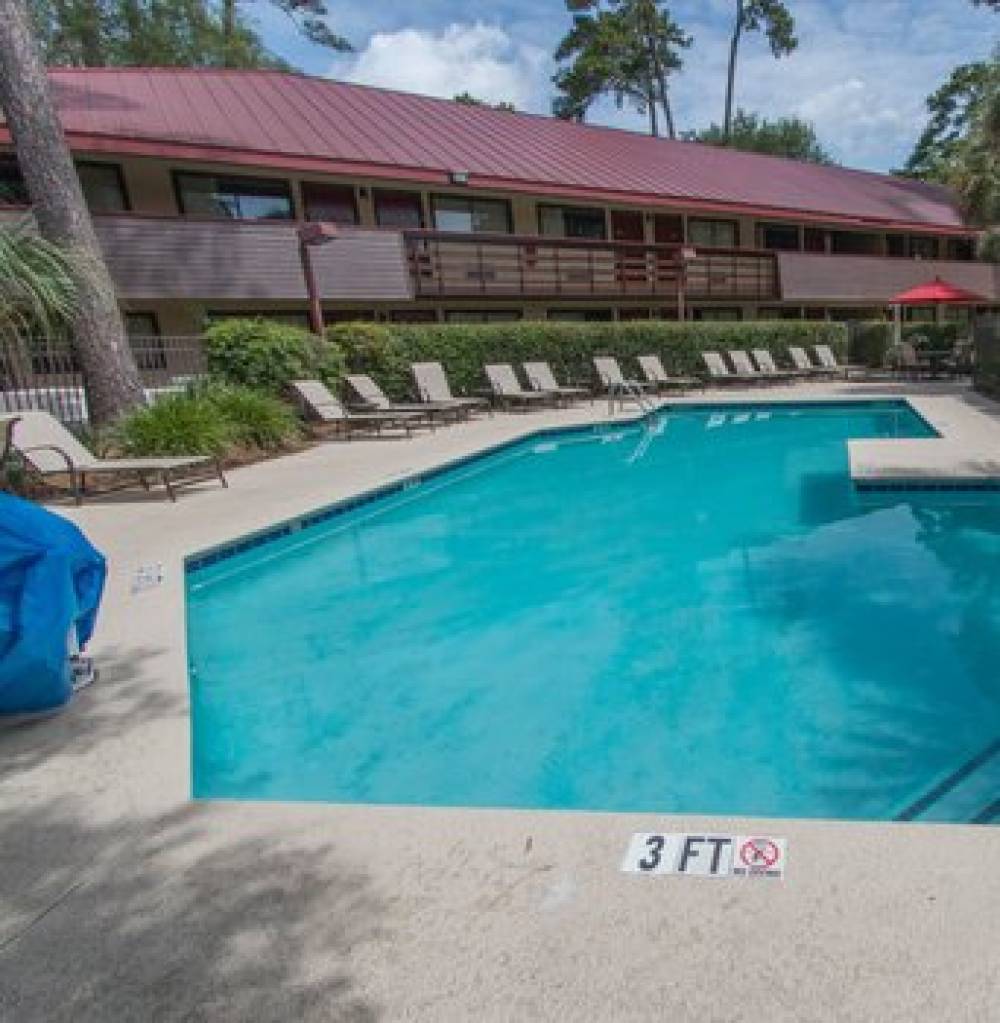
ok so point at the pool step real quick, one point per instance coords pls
(968, 794)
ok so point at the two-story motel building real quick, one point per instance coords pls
(201, 182)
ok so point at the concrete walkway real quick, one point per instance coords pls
(120, 899)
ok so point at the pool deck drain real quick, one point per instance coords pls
(120, 899)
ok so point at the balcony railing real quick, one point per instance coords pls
(447, 265)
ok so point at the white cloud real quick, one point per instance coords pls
(481, 59)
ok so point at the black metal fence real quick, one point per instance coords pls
(45, 373)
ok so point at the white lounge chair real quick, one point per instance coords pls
(611, 378)
(745, 369)
(829, 361)
(52, 453)
(507, 389)
(767, 366)
(719, 372)
(657, 376)
(373, 397)
(433, 388)
(322, 407)
(805, 365)
(541, 378)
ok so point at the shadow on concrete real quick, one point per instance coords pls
(176, 918)
(122, 697)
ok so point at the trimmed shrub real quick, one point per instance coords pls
(267, 355)
(256, 420)
(871, 340)
(176, 424)
(386, 350)
(219, 420)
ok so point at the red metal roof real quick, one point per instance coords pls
(267, 118)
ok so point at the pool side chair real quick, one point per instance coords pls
(805, 365)
(52, 453)
(541, 378)
(327, 415)
(656, 375)
(507, 389)
(718, 371)
(613, 381)
(434, 389)
(829, 361)
(745, 369)
(770, 369)
(373, 398)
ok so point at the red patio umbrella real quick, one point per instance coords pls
(938, 292)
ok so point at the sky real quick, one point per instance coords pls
(861, 73)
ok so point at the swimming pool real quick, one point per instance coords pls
(695, 614)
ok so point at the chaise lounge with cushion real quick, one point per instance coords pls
(51, 452)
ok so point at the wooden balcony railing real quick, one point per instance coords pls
(448, 265)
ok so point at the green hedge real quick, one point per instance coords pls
(267, 355)
(871, 340)
(386, 350)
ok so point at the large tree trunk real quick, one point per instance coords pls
(734, 46)
(112, 380)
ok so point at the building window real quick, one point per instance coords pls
(717, 234)
(627, 226)
(481, 315)
(103, 187)
(402, 210)
(854, 243)
(718, 314)
(923, 247)
(413, 316)
(340, 315)
(102, 184)
(471, 215)
(143, 332)
(895, 245)
(961, 248)
(581, 315)
(235, 197)
(779, 313)
(332, 204)
(668, 229)
(572, 222)
(782, 237)
(292, 317)
(814, 239)
(625, 315)
(13, 191)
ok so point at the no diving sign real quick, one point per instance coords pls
(706, 855)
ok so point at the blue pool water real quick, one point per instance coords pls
(699, 617)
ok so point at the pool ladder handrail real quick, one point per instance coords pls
(621, 389)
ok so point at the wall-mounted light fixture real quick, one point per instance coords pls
(458, 177)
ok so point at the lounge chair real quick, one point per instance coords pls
(829, 361)
(507, 389)
(655, 374)
(767, 366)
(719, 372)
(609, 373)
(51, 452)
(324, 408)
(541, 378)
(745, 368)
(433, 388)
(805, 365)
(373, 397)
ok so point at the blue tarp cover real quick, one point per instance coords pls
(51, 579)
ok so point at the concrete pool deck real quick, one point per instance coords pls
(122, 899)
